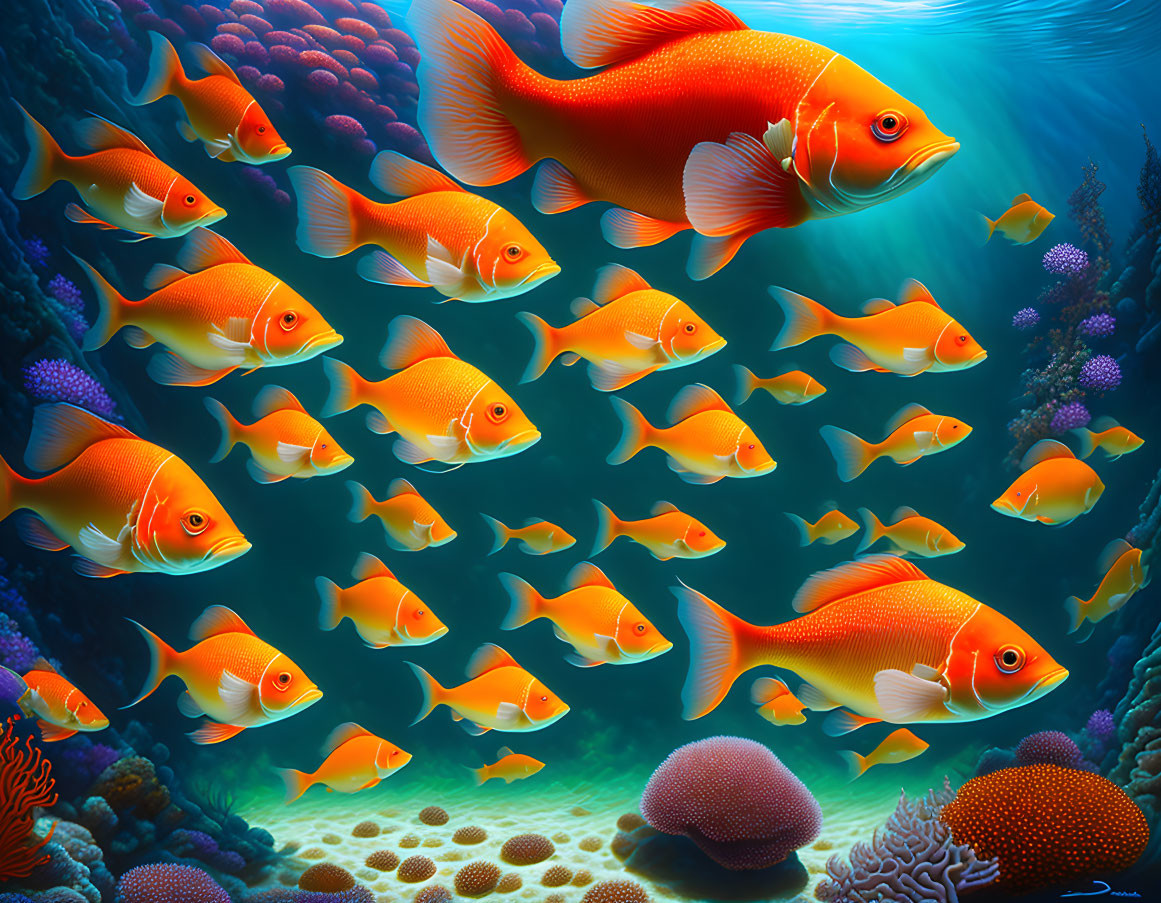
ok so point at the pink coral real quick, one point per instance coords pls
(380, 54)
(247, 73)
(295, 11)
(246, 7)
(256, 24)
(271, 83)
(321, 80)
(357, 27)
(346, 125)
(362, 78)
(375, 14)
(317, 59)
(228, 43)
(284, 37)
(237, 28)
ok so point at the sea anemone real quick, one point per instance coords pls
(61, 380)
(1065, 260)
(1097, 326)
(1025, 318)
(1070, 417)
(1100, 372)
(1101, 725)
(526, 849)
(434, 894)
(508, 883)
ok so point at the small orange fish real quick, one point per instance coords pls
(908, 338)
(1123, 573)
(626, 331)
(410, 524)
(60, 709)
(230, 675)
(898, 746)
(912, 433)
(792, 387)
(1106, 434)
(122, 181)
(1055, 487)
(775, 702)
(601, 624)
(537, 537)
(705, 442)
(499, 695)
(439, 236)
(123, 504)
(220, 112)
(355, 759)
(832, 527)
(446, 412)
(510, 767)
(383, 610)
(910, 533)
(216, 314)
(284, 440)
(669, 533)
(1022, 222)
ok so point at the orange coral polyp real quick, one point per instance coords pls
(25, 783)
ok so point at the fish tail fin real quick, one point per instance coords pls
(747, 383)
(873, 529)
(11, 486)
(361, 502)
(608, 525)
(500, 533)
(329, 213)
(1085, 445)
(718, 650)
(805, 318)
(346, 386)
(431, 690)
(524, 602)
(852, 455)
(111, 314)
(462, 79)
(330, 596)
(635, 431)
(165, 72)
(856, 764)
(162, 658)
(545, 350)
(229, 425)
(805, 534)
(1077, 610)
(479, 775)
(295, 782)
(42, 168)
(990, 225)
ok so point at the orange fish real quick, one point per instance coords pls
(122, 181)
(1023, 222)
(898, 746)
(510, 767)
(224, 314)
(912, 433)
(693, 119)
(446, 412)
(1123, 574)
(1055, 488)
(439, 236)
(1106, 434)
(832, 527)
(775, 702)
(383, 610)
(705, 441)
(220, 112)
(793, 387)
(668, 533)
(410, 524)
(499, 695)
(626, 331)
(912, 337)
(123, 504)
(354, 760)
(230, 675)
(879, 636)
(60, 709)
(285, 441)
(910, 534)
(537, 537)
(602, 625)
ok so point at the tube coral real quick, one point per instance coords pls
(25, 783)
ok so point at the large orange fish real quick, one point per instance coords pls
(1055, 488)
(217, 313)
(626, 331)
(1109, 436)
(536, 537)
(910, 533)
(410, 523)
(122, 181)
(792, 387)
(123, 504)
(1023, 222)
(911, 434)
(509, 767)
(230, 675)
(60, 709)
(355, 759)
(602, 626)
(498, 695)
(908, 338)
(705, 442)
(1123, 573)
(668, 532)
(878, 636)
(832, 527)
(284, 440)
(439, 236)
(220, 112)
(694, 120)
(446, 412)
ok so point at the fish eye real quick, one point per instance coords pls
(261, 130)
(419, 613)
(955, 426)
(1018, 494)
(190, 200)
(498, 412)
(889, 125)
(283, 680)
(961, 340)
(691, 328)
(544, 699)
(324, 445)
(640, 628)
(751, 445)
(701, 533)
(1010, 659)
(513, 252)
(288, 320)
(194, 523)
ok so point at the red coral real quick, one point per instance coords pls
(25, 783)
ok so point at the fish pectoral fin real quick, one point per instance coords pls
(814, 699)
(558, 631)
(36, 533)
(410, 453)
(188, 706)
(88, 568)
(780, 141)
(240, 697)
(569, 358)
(169, 369)
(142, 206)
(842, 722)
(580, 661)
(136, 337)
(610, 376)
(186, 131)
(905, 697)
(443, 446)
(235, 349)
(923, 438)
(374, 782)
(507, 713)
(915, 355)
(381, 267)
(422, 533)
(442, 270)
(212, 732)
(644, 342)
(289, 453)
(378, 423)
(51, 733)
(93, 543)
(473, 728)
(853, 359)
(925, 672)
(217, 147)
(260, 475)
(555, 190)
(1116, 600)
(698, 479)
(75, 213)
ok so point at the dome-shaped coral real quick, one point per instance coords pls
(591, 844)
(556, 876)
(327, 878)
(1049, 748)
(408, 841)
(477, 878)
(526, 849)
(581, 878)
(470, 834)
(382, 860)
(414, 869)
(615, 891)
(434, 894)
(630, 821)
(508, 883)
(433, 815)
(163, 882)
(365, 829)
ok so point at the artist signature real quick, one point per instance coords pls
(1102, 889)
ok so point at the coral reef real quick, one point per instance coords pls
(1065, 260)
(168, 883)
(61, 380)
(1069, 417)
(1138, 718)
(1026, 318)
(1098, 326)
(1101, 373)
(382, 861)
(1049, 748)
(25, 783)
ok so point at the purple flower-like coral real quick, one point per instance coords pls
(1098, 326)
(1026, 318)
(1071, 416)
(60, 380)
(1065, 260)
(1100, 372)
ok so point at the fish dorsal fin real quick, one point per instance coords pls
(1021, 199)
(394, 174)
(42, 664)
(660, 508)
(533, 521)
(913, 290)
(400, 486)
(1103, 423)
(162, 274)
(904, 414)
(1109, 555)
(368, 566)
(341, 734)
(852, 578)
(204, 249)
(903, 512)
(877, 306)
(615, 281)
(1044, 450)
(276, 398)
(695, 399)
(409, 341)
(211, 63)
(98, 133)
(61, 431)
(504, 751)
(487, 658)
(582, 307)
(587, 574)
(216, 620)
(601, 32)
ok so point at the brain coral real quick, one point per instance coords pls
(326, 877)
(1047, 824)
(470, 834)
(382, 860)
(477, 878)
(734, 799)
(526, 849)
(162, 882)
(615, 892)
(414, 869)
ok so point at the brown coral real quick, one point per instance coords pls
(408, 841)
(630, 821)
(332, 839)
(414, 869)
(327, 878)
(582, 878)
(382, 861)
(615, 891)
(365, 829)
(557, 876)
(313, 853)
(434, 894)
(25, 783)
(433, 815)
(509, 882)
(131, 784)
(470, 834)
(477, 878)
(526, 849)
(590, 844)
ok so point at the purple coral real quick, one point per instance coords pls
(1100, 372)
(36, 251)
(70, 305)
(1026, 318)
(1070, 417)
(1101, 725)
(1049, 748)
(1065, 260)
(17, 651)
(1097, 326)
(162, 882)
(61, 380)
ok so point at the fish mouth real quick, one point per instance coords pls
(1004, 507)
(759, 470)
(309, 698)
(227, 549)
(279, 152)
(1048, 682)
(218, 213)
(542, 272)
(516, 444)
(979, 357)
(340, 463)
(712, 348)
(431, 637)
(659, 649)
(324, 341)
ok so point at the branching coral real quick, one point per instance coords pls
(25, 783)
